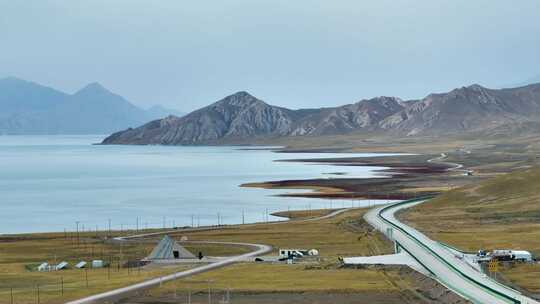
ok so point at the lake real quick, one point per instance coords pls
(48, 183)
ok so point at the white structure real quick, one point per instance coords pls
(81, 264)
(313, 252)
(60, 266)
(43, 267)
(97, 264)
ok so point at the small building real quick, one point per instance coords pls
(97, 264)
(169, 249)
(80, 265)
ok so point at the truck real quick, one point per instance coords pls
(522, 256)
(511, 255)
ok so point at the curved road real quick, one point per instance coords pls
(120, 292)
(443, 265)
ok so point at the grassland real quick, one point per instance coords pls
(344, 235)
(21, 254)
(500, 213)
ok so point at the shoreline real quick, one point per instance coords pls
(406, 176)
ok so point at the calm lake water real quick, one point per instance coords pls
(48, 183)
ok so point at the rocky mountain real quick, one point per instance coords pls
(236, 116)
(30, 108)
(242, 116)
(365, 114)
(467, 109)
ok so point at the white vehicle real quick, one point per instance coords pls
(285, 253)
(522, 255)
(511, 255)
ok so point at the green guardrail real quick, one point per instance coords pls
(491, 290)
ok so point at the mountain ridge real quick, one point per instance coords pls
(471, 108)
(30, 108)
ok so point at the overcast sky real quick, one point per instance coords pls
(301, 53)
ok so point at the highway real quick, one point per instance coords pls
(443, 265)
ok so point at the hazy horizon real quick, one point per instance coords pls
(298, 55)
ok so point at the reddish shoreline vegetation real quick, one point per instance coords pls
(406, 176)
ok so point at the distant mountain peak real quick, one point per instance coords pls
(93, 87)
(476, 87)
(239, 99)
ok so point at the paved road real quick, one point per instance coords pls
(121, 292)
(444, 266)
(453, 166)
(208, 228)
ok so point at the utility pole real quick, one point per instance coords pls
(164, 222)
(109, 228)
(289, 212)
(243, 217)
(77, 223)
(137, 225)
(209, 293)
(192, 220)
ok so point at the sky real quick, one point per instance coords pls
(297, 54)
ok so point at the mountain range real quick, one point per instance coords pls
(30, 108)
(241, 116)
